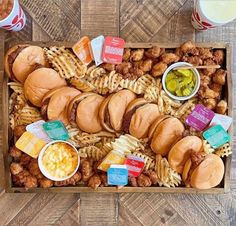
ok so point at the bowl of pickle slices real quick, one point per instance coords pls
(181, 84)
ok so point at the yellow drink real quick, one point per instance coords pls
(219, 11)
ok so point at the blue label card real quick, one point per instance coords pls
(216, 136)
(56, 130)
(117, 175)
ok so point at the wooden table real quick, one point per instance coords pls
(134, 20)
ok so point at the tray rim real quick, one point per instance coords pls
(77, 189)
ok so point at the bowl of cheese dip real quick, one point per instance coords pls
(58, 160)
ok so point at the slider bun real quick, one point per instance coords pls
(155, 124)
(133, 104)
(167, 133)
(180, 152)
(116, 105)
(87, 117)
(142, 119)
(39, 82)
(58, 103)
(6, 63)
(25, 61)
(209, 173)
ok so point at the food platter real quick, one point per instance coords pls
(223, 187)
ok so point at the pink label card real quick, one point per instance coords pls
(200, 117)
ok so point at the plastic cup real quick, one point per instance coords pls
(16, 20)
(202, 18)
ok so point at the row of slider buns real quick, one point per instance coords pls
(124, 112)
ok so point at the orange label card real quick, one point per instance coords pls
(113, 49)
(114, 157)
(30, 144)
(81, 50)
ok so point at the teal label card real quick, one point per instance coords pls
(216, 136)
(56, 130)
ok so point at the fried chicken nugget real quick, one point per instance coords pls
(19, 130)
(75, 179)
(86, 170)
(210, 103)
(15, 168)
(153, 176)
(126, 54)
(146, 65)
(194, 60)
(169, 58)
(45, 183)
(189, 48)
(25, 160)
(216, 87)
(34, 169)
(31, 182)
(153, 52)
(144, 181)
(209, 93)
(158, 69)
(221, 107)
(179, 52)
(133, 181)
(15, 152)
(209, 71)
(218, 56)
(123, 68)
(94, 182)
(219, 77)
(205, 80)
(103, 178)
(136, 55)
(205, 53)
(108, 67)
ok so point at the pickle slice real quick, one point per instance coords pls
(171, 85)
(184, 72)
(179, 93)
(170, 76)
(186, 92)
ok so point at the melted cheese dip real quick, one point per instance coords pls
(60, 160)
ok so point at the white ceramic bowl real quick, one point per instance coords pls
(197, 84)
(45, 172)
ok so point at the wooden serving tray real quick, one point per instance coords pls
(222, 188)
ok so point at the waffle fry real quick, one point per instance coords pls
(28, 115)
(17, 102)
(186, 107)
(106, 148)
(169, 101)
(65, 62)
(16, 87)
(207, 147)
(149, 162)
(127, 143)
(160, 103)
(91, 152)
(108, 83)
(152, 93)
(94, 72)
(145, 81)
(132, 85)
(82, 84)
(223, 151)
(167, 176)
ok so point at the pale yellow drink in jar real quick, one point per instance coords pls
(219, 11)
